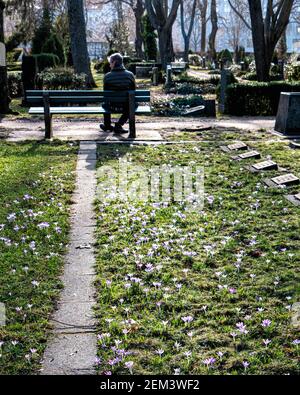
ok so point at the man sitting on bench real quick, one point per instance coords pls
(118, 79)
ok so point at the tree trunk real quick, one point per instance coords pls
(203, 18)
(258, 36)
(4, 96)
(187, 35)
(79, 50)
(162, 17)
(165, 46)
(138, 13)
(267, 32)
(214, 29)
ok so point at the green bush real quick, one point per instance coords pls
(225, 56)
(257, 98)
(42, 32)
(14, 55)
(15, 86)
(45, 60)
(253, 76)
(149, 39)
(54, 46)
(61, 78)
(292, 71)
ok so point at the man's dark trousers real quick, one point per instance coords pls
(122, 108)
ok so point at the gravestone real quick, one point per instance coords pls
(237, 146)
(297, 196)
(281, 68)
(142, 71)
(250, 155)
(225, 81)
(2, 55)
(155, 76)
(288, 114)
(169, 76)
(286, 179)
(266, 165)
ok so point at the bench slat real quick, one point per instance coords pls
(81, 110)
(39, 93)
(85, 99)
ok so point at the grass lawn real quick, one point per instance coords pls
(36, 182)
(200, 293)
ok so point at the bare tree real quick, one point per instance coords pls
(234, 25)
(79, 50)
(138, 8)
(187, 14)
(203, 7)
(267, 30)
(214, 29)
(162, 17)
(4, 97)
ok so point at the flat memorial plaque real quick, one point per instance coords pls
(266, 165)
(250, 154)
(287, 179)
(297, 196)
(237, 146)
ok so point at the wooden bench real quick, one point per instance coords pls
(68, 102)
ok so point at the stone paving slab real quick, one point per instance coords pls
(72, 346)
(72, 356)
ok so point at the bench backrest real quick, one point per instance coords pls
(36, 97)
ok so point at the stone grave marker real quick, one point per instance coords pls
(266, 165)
(287, 118)
(155, 76)
(297, 196)
(235, 147)
(250, 154)
(2, 55)
(286, 179)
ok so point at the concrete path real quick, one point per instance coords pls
(72, 345)
(149, 129)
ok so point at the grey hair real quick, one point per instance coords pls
(117, 58)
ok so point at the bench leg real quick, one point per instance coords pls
(132, 131)
(47, 116)
(48, 126)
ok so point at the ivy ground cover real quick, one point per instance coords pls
(209, 292)
(36, 182)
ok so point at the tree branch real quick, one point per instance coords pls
(239, 15)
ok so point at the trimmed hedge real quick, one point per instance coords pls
(257, 98)
(61, 78)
